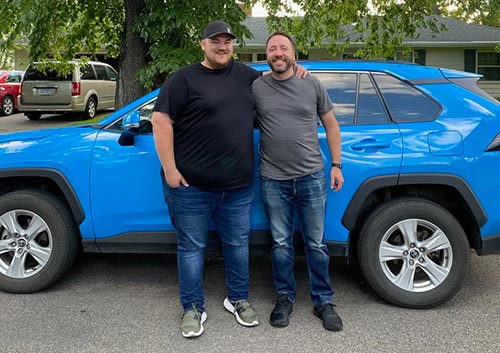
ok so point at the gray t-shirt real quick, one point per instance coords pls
(288, 113)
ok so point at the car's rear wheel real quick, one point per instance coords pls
(38, 240)
(33, 116)
(413, 253)
(7, 105)
(90, 108)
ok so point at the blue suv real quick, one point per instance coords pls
(421, 156)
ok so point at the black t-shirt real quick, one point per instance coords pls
(212, 112)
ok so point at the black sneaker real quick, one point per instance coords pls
(331, 320)
(281, 312)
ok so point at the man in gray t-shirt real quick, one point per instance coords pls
(292, 176)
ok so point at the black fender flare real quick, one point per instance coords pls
(58, 178)
(370, 185)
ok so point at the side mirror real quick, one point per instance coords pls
(130, 125)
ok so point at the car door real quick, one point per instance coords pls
(371, 143)
(126, 191)
(105, 85)
(13, 83)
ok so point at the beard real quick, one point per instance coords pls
(281, 69)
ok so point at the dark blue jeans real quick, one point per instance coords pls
(191, 211)
(306, 195)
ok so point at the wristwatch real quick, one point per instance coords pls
(338, 165)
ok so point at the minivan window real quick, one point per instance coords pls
(87, 73)
(101, 72)
(32, 74)
(112, 74)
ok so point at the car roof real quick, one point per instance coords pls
(402, 70)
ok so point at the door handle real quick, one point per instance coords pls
(370, 144)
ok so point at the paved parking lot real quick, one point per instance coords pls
(128, 303)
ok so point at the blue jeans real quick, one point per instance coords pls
(191, 211)
(306, 195)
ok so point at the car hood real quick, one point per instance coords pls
(39, 134)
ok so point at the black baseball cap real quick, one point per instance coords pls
(217, 27)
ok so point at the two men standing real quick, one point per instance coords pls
(203, 130)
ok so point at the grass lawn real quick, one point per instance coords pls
(99, 116)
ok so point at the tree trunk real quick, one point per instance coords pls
(133, 57)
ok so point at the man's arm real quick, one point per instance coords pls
(164, 141)
(334, 145)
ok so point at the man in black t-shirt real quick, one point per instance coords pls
(203, 131)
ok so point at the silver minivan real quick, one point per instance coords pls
(86, 90)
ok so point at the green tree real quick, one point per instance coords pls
(156, 37)
(485, 12)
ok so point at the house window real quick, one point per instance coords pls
(302, 56)
(408, 57)
(261, 57)
(488, 65)
(245, 57)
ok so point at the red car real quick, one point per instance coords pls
(10, 86)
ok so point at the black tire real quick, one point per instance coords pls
(419, 276)
(90, 109)
(7, 106)
(33, 116)
(45, 252)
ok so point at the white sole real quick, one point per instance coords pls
(204, 317)
(230, 307)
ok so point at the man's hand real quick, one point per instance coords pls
(337, 179)
(301, 71)
(174, 178)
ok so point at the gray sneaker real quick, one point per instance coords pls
(192, 323)
(245, 314)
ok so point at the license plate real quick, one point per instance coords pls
(46, 91)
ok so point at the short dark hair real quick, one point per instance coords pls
(281, 33)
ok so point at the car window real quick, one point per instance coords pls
(14, 77)
(101, 72)
(370, 107)
(406, 103)
(87, 73)
(113, 76)
(145, 114)
(342, 87)
(32, 74)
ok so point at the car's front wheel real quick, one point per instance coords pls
(7, 105)
(38, 240)
(413, 253)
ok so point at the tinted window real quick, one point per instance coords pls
(406, 103)
(113, 76)
(87, 73)
(33, 74)
(370, 108)
(344, 92)
(341, 88)
(101, 72)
